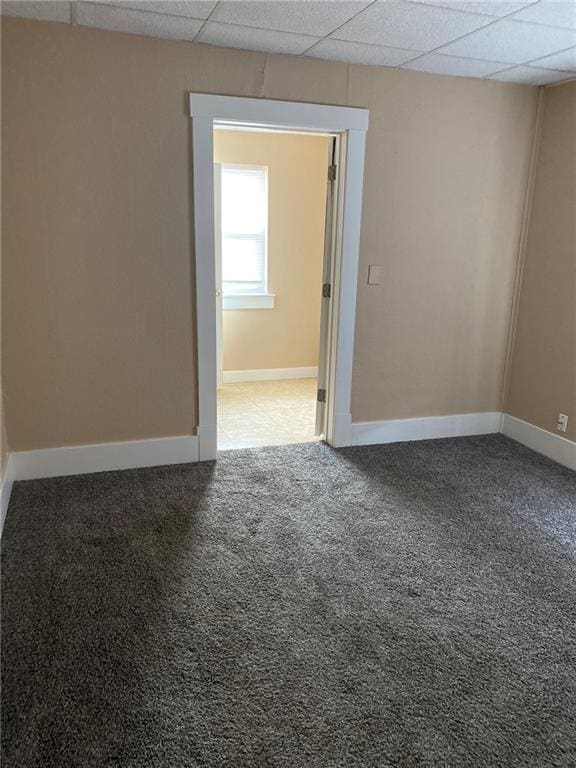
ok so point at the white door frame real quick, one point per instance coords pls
(351, 123)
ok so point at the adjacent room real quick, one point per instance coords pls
(288, 384)
(270, 212)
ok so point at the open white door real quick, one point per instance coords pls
(218, 269)
(327, 283)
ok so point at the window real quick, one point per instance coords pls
(244, 234)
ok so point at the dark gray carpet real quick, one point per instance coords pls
(402, 605)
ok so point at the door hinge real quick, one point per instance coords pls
(332, 172)
(321, 395)
(326, 291)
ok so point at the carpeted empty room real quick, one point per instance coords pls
(288, 384)
(410, 604)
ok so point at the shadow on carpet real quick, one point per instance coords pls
(295, 607)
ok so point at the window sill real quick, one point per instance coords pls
(249, 301)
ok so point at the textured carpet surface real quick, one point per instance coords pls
(402, 605)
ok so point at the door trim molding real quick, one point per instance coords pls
(270, 113)
(351, 123)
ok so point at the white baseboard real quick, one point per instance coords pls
(554, 446)
(103, 457)
(426, 428)
(269, 374)
(5, 491)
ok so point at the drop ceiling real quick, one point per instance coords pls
(520, 41)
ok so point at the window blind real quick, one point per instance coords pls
(244, 229)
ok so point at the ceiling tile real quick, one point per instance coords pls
(511, 41)
(310, 17)
(409, 25)
(552, 12)
(488, 7)
(452, 65)
(194, 9)
(136, 22)
(54, 11)
(234, 36)
(530, 76)
(566, 60)
(360, 53)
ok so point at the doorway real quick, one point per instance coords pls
(272, 198)
(348, 126)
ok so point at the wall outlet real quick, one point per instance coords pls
(562, 423)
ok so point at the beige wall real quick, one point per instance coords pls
(99, 317)
(543, 377)
(3, 440)
(286, 336)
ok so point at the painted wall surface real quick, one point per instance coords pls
(99, 341)
(3, 437)
(543, 377)
(288, 335)
(3, 442)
